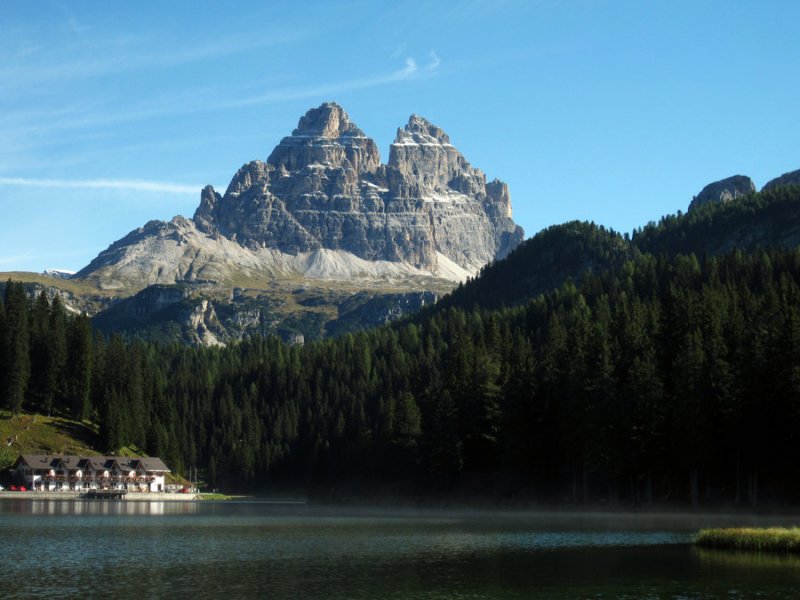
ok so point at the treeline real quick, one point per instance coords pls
(541, 264)
(46, 355)
(666, 380)
(563, 252)
(51, 361)
(764, 219)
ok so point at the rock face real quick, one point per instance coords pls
(724, 190)
(169, 312)
(374, 240)
(791, 178)
(178, 252)
(325, 187)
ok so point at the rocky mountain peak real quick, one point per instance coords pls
(323, 196)
(204, 215)
(254, 173)
(427, 163)
(329, 120)
(790, 178)
(723, 190)
(325, 137)
(421, 131)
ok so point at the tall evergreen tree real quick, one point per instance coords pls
(17, 342)
(79, 368)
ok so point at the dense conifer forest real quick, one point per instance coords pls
(561, 252)
(652, 377)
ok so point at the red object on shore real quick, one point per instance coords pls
(13, 488)
(22, 488)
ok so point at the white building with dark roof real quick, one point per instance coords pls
(55, 472)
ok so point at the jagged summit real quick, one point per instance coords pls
(429, 165)
(724, 190)
(323, 188)
(329, 120)
(790, 178)
(421, 131)
(326, 137)
(736, 186)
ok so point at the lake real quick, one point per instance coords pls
(101, 549)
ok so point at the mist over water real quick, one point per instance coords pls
(257, 550)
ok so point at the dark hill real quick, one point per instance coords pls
(769, 219)
(543, 263)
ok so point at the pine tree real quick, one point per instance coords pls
(444, 446)
(79, 368)
(16, 351)
(56, 368)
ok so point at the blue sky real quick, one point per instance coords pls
(113, 114)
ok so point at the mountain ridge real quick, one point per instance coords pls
(321, 216)
(324, 188)
(766, 219)
(294, 238)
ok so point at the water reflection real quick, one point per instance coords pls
(252, 550)
(747, 560)
(38, 508)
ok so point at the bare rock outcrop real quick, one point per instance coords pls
(724, 190)
(325, 187)
(790, 178)
(324, 210)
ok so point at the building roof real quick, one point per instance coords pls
(40, 461)
(151, 463)
(97, 463)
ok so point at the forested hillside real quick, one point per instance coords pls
(766, 219)
(542, 263)
(664, 379)
(564, 252)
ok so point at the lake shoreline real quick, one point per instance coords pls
(491, 502)
(76, 496)
(372, 504)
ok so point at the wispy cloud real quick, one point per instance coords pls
(206, 100)
(410, 71)
(35, 64)
(399, 50)
(434, 62)
(133, 185)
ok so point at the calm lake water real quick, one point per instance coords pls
(102, 549)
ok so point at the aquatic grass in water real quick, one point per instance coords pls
(771, 539)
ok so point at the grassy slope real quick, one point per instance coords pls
(286, 296)
(39, 434)
(74, 286)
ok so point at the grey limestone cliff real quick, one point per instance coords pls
(321, 213)
(724, 190)
(790, 178)
(325, 187)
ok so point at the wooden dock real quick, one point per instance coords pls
(105, 494)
